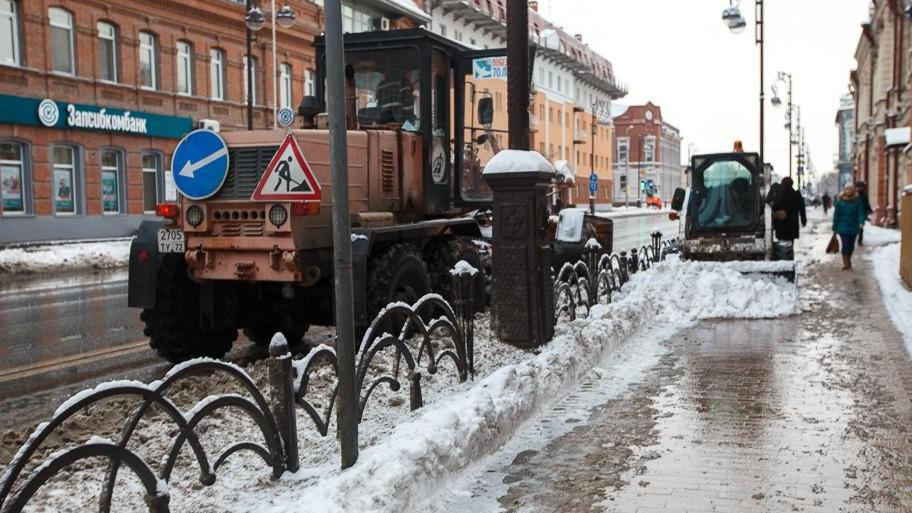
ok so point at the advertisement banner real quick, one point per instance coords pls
(109, 191)
(11, 188)
(63, 192)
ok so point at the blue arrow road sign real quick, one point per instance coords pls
(200, 164)
(593, 182)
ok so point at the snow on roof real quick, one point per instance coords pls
(518, 161)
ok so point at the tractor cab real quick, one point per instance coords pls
(451, 96)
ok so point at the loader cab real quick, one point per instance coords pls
(453, 96)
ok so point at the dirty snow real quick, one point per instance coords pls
(518, 161)
(897, 297)
(44, 258)
(462, 268)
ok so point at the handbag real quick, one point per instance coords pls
(833, 246)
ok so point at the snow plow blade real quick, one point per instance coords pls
(784, 268)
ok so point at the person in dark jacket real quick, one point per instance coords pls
(787, 211)
(862, 189)
(848, 220)
(827, 202)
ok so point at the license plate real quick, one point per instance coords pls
(170, 241)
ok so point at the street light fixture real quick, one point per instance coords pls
(255, 21)
(732, 17)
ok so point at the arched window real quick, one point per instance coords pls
(184, 68)
(66, 173)
(148, 60)
(107, 51)
(217, 67)
(285, 90)
(10, 46)
(253, 72)
(113, 200)
(15, 179)
(63, 59)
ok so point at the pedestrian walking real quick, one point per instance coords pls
(827, 202)
(848, 221)
(788, 210)
(862, 189)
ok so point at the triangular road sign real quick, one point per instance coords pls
(288, 176)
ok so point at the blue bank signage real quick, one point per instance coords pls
(53, 114)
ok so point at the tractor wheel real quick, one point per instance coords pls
(396, 274)
(293, 330)
(173, 325)
(442, 255)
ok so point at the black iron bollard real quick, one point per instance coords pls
(625, 268)
(591, 256)
(634, 261)
(464, 308)
(281, 380)
(657, 246)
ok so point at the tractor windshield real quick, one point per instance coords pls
(387, 87)
(727, 199)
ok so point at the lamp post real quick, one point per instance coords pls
(776, 101)
(736, 23)
(255, 20)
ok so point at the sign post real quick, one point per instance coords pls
(593, 189)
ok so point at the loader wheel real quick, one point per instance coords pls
(173, 325)
(396, 274)
(283, 321)
(442, 255)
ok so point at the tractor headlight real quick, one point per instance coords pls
(278, 215)
(194, 216)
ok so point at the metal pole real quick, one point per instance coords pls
(592, 161)
(342, 256)
(759, 33)
(518, 78)
(275, 63)
(249, 71)
(790, 125)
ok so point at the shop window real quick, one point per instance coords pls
(184, 68)
(107, 51)
(112, 182)
(9, 33)
(62, 54)
(14, 179)
(148, 60)
(151, 181)
(309, 83)
(66, 184)
(285, 90)
(217, 73)
(649, 149)
(252, 62)
(622, 149)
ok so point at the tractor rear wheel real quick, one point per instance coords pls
(442, 255)
(173, 325)
(396, 274)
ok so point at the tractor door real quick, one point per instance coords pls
(480, 121)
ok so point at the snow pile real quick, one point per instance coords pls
(877, 236)
(518, 161)
(399, 472)
(65, 256)
(462, 268)
(896, 295)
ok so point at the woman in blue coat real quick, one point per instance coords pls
(848, 219)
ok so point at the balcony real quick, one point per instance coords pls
(580, 136)
(533, 123)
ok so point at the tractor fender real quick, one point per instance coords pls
(142, 271)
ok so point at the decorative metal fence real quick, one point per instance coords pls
(598, 275)
(428, 323)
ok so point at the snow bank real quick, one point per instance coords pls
(897, 297)
(399, 472)
(66, 256)
(518, 161)
(877, 236)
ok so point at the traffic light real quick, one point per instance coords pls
(642, 185)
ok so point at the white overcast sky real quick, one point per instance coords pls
(680, 55)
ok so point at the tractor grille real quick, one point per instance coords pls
(241, 229)
(246, 167)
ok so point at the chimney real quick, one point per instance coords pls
(533, 4)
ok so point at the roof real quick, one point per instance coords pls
(406, 8)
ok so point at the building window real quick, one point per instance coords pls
(285, 85)
(62, 55)
(13, 179)
(217, 74)
(112, 182)
(184, 68)
(443, 30)
(9, 33)
(309, 83)
(107, 51)
(649, 149)
(148, 61)
(65, 184)
(550, 79)
(151, 171)
(622, 150)
(252, 62)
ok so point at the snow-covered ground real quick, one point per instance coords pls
(897, 296)
(65, 256)
(407, 455)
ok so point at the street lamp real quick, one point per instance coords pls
(255, 21)
(786, 78)
(732, 17)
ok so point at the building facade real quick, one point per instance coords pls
(648, 153)
(95, 95)
(845, 124)
(573, 88)
(880, 89)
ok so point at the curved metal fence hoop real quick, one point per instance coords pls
(395, 385)
(319, 355)
(157, 496)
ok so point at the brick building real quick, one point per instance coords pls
(95, 95)
(880, 88)
(647, 148)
